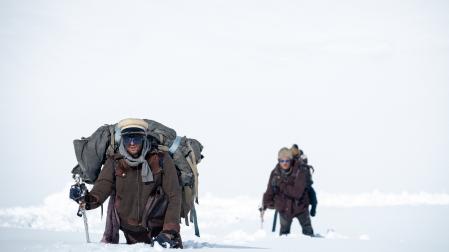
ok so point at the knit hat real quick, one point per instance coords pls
(285, 152)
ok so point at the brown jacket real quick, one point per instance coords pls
(132, 194)
(287, 193)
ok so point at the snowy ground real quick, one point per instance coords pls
(363, 222)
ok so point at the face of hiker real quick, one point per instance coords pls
(284, 162)
(133, 144)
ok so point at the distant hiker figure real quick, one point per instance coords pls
(287, 193)
(144, 183)
(301, 158)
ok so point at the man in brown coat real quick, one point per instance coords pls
(145, 187)
(287, 193)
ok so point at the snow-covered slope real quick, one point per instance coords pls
(58, 212)
(367, 221)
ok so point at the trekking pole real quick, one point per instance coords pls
(82, 207)
(273, 229)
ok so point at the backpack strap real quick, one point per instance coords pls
(111, 148)
(155, 160)
(191, 159)
(194, 217)
(161, 161)
(175, 145)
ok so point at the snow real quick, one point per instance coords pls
(368, 80)
(57, 212)
(379, 199)
(368, 221)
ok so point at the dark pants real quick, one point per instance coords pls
(304, 221)
(141, 237)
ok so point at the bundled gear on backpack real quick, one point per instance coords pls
(92, 152)
(299, 156)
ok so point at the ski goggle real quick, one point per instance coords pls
(284, 161)
(133, 139)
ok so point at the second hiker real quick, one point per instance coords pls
(287, 193)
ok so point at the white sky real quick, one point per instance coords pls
(361, 86)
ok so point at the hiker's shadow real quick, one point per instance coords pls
(200, 245)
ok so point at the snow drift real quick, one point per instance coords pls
(58, 212)
(354, 220)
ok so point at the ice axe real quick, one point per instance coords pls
(262, 211)
(79, 185)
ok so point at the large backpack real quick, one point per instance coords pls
(92, 152)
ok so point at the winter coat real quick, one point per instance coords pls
(287, 193)
(303, 164)
(132, 196)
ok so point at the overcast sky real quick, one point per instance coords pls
(361, 86)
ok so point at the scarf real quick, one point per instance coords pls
(286, 173)
(147, 175)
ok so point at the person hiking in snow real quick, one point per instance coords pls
(287, 193)
(144, 184)
(301, 158)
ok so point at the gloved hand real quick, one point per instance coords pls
(169, 239)
(313, 211)
(77, 192)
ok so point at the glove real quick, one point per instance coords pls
(169, 239)
(313, 211)
(77, 192)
